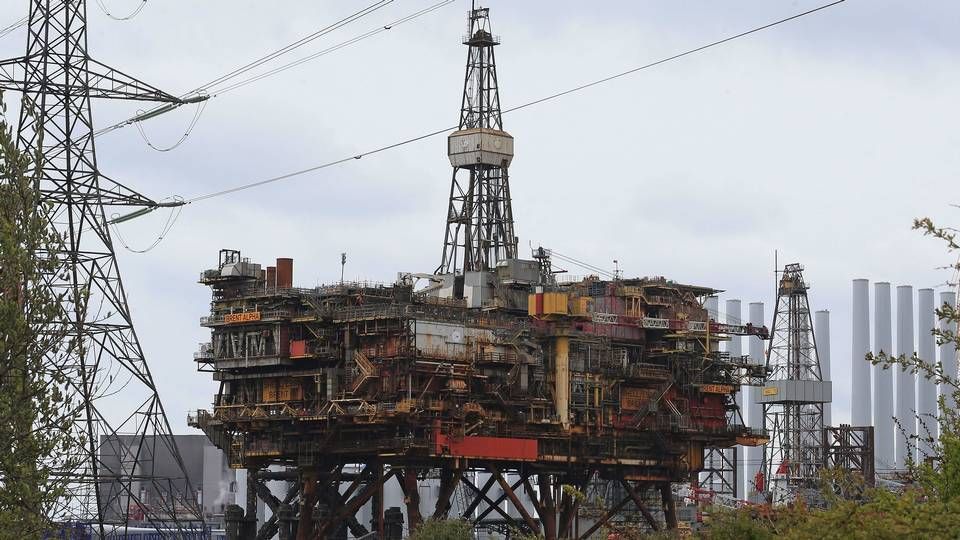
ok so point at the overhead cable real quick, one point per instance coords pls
(581, 264)
(193, 123)
(296, 44)
(167, 226)
(136, 11)
(13, 26)
(338, 46)
(550, 97)
(204, 89)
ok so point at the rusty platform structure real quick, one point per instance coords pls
(555, 384)
(487, 378)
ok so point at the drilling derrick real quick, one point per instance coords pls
(124, 468)
(793, 396)
(479, 218)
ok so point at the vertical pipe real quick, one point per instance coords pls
(860, 389)
(906, 381)
(271, 278)
(948, 352)
(735, 348)
(821, 331)
(755, 410)
(562, 379)
(883, 389)
(284, 273)
(926, 388)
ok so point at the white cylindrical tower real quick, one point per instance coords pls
(948, 351)
(926, 388)
(735, 348)
(883, 380)
(906, 381)
(860, 390)
(712, 304)
(755, 409)
(821, 332)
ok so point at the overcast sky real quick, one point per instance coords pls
(822, 138)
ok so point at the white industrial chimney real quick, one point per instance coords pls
(906, 381)
(948, 352)
(926, 388)
(860, 387)
(883, 380)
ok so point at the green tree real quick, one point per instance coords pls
(447, 529)
(36, 412)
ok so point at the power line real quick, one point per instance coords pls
(296, 44)
(204, 89)
(136, 11)
(318, 167)
(338, 46)
(193, 123)
(13, 26)
(581, 264)
(167, 227)
(550, 97)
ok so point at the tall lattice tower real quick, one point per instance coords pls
(793, 395)
(479, 217)
(130, 470)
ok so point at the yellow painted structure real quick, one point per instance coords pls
(562, 379)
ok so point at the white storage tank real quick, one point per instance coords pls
(480, 146)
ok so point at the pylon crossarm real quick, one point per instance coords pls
(102, 81)
(11, 74)
(110, 83)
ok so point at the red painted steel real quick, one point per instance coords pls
(486, 447)
(298, 347)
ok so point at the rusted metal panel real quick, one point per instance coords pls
(284, 273)
(270, 392)
(633, 399)
(271, 277)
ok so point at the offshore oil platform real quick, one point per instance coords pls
(511, 391)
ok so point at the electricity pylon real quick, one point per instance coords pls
(130, 470)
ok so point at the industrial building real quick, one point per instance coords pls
(213, 481)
